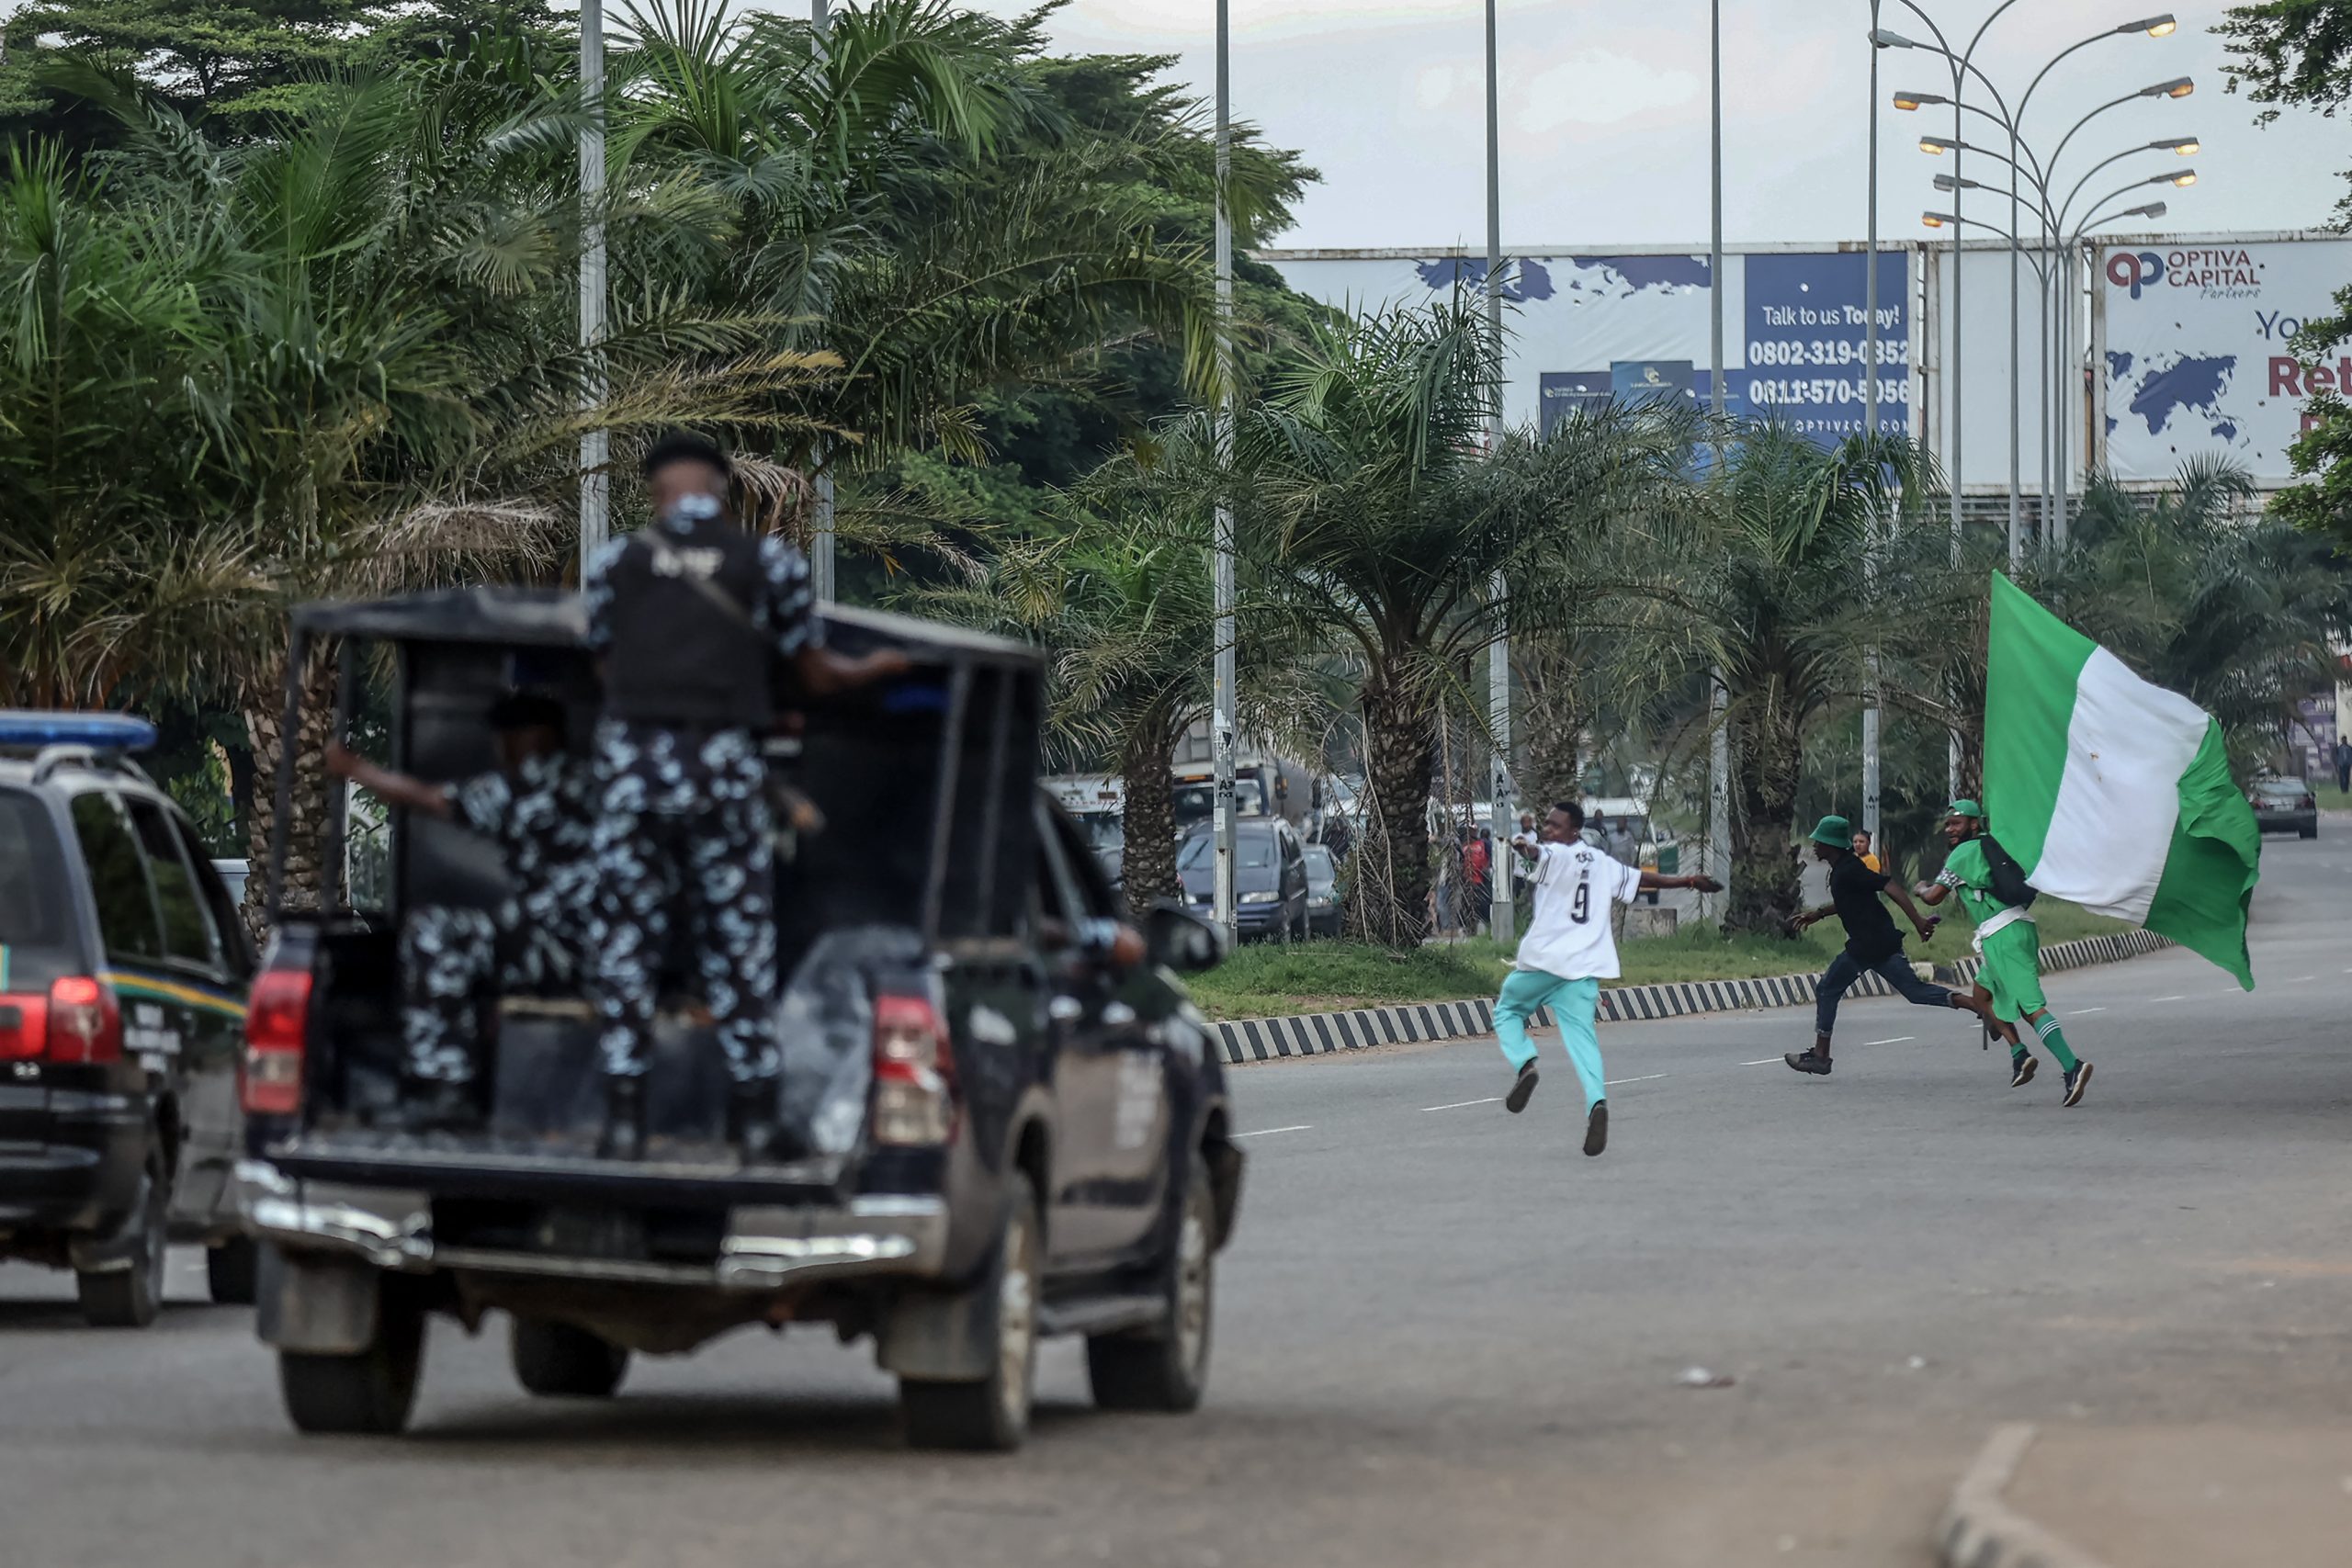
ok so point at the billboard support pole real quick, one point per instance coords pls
(1717, 861)
(1870, 424)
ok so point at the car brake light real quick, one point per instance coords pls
(24, 1028)
(84, 1023)
(277, 1021)
(914, 1073)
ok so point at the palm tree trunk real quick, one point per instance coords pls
(1550, 730)
(1149, 867)
(1767, 757)
(264, 708)
(1392, 866)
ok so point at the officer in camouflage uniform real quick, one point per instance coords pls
(689, 616)
(537, 809)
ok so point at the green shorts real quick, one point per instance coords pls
(2012, 971)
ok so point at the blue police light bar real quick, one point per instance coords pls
(100, 731)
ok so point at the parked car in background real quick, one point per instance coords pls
(2284, 806)
(1322, 892)
(1269, 876)
(123, 971)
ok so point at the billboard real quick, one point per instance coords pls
(1584, 327)
(2194, 353)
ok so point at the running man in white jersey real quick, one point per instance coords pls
(1568, 950)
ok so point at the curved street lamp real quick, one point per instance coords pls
(2159, 26)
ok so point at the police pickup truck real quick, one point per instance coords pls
(1004, 1119)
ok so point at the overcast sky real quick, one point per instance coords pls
(1604, 113)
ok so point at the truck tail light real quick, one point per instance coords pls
(84, 1022)
(24, 1028)
(277, 1019)
(914, 1076)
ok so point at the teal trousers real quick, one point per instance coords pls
(1572, 1003)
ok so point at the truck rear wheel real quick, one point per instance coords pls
(369, 1393)
(991, 1414)
(129, 1298)
(1167, 1368)
(557, 1360)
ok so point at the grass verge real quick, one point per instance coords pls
(1274, 980)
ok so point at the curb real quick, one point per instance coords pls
(1981, 1531)
(1321, 1033)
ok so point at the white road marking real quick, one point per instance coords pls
(2090, 1009)
(1458, 1104)
(1765, 1062)
(2302, 979)
(1898, 1040)
(1648, 1078)
(1269, 1132)
(2156, 1000)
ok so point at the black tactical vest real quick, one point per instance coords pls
(684, 649)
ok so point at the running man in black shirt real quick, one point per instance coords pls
(1873, 946)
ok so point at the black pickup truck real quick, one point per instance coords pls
(1004, 1118)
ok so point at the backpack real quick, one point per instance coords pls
(2009, 884)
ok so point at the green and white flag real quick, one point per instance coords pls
(2112, 793)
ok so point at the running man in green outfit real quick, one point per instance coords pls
(2011, 949)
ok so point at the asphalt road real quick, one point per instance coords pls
(1443, 1336)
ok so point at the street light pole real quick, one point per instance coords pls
(1223, 697)
(823, 581)
(596, 444)
(1718, 858)
(1503, 916)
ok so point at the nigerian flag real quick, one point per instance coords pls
(2112, 793)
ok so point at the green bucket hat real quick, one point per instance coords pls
(1835, 831)
(1965, 807)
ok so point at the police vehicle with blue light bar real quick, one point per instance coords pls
(123, 969)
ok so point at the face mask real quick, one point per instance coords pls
(692, 509)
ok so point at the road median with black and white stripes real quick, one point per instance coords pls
(1403, 1024)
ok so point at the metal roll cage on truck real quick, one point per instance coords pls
(1003, 1116)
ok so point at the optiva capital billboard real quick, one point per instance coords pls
(2197, 354)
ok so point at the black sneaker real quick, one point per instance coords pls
(1516, 1101)
(1807, 1062)
(2022, 1067)
(1595, 1128)
(2077, 1081)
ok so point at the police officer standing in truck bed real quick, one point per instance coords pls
(688, 615)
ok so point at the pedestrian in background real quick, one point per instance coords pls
(2342, 765)
(1862, 850)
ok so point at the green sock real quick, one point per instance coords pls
(2054, 1038)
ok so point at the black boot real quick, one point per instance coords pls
(624, 1136)
(751, 1121)
(441, 1105)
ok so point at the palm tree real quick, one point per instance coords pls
(1785, 578)
(103, 341)
(1375, 524)
(377, 405)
